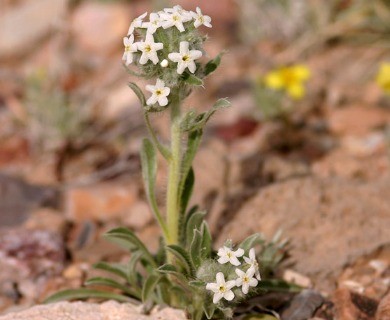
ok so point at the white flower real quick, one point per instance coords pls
(221, 288)
(246, 280)
(185, 58)
(149, 49)
(137, 23)
(252, 261)
(159, 93)
(153, 24)
(200, 19)
(164, 63)
(175, 18)
(228, 255)
(130, 48)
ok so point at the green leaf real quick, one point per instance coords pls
(192, 80)
(111, 268)
(251, 241)
(222, 103)
(81, 294)
(170, 269)
(107, 282)
(132, 268)
(149, 286)
(262, 316)
(130, 240)
(276, 285)
(213, 64)
(209, 309)
(188, 187)
(138, 93)
(149, 173)
(193, 223)
(182, 257)
(196, 249)
(206, 241)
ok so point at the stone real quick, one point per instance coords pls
(46, 219)
(22, 26)
(357, 120)
(99, 27)
(139, 216)
(309, 210)
(383, 312)
(352, 306)
(100, 202)
(109, 310)
(303, 305)
(296, 278)
(18, 199)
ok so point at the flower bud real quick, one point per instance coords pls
(164, 63)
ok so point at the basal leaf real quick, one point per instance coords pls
(80, 294)
(182, 257)
(196, 248)
(149, 286)
(186, 193)
(251, 241)
(107, 282)
(193, 223)
(111, 268)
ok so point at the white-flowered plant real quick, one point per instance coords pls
(252, 262)
(227, 255)
(168, 51)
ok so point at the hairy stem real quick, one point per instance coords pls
(174, 174)
(161, 148)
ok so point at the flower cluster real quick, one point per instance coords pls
(292, 79)
(168, 39)
(247, 278)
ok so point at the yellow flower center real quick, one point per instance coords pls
(229, 254)
(176, 18)
(245, 279)
(158, 92)
(186, 58)
(222, 289)
(127, 48)
(148, 48)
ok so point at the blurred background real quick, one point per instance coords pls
(304, 147)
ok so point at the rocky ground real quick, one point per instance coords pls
(323, 178)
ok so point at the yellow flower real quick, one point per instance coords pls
(291, 79)
(383, 77)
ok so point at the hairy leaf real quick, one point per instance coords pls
(149, 286)
(137, 90)
(80, 294)
(213, 64)
(182, 257)
(107, 282)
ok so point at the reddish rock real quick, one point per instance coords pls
(101, 202)
(357, 120)
(383, 312)
(352, 306)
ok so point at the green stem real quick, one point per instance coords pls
(163, 150)
(174, 174)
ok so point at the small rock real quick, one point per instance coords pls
(352, 306)
(303, 305)
(297, 278)
(46, 219)
(110, 310)
(383, 312)
(100, 202)
(357, 120)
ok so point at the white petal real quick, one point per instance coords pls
(239, 252)
(207, 21)
(131, 38)
(144, 58)
(153, 56)
(239, 272)
(253, 282)
(197, 23)
(258, 276)
(191, 66)
(196, 54)
(129, 59)
(198, 11)
(217, 296)
(181, 67)
(175, 56)
(229, 295)
(252, 254)
(220, 278)
(163, 101)
(150, 88)
(158, 46)
(167, 24)
(149, 38)
(250, 272)
(230, 284)
(160, 84)
(239, 282)
(152, 100)
(247, 260)
(234, 261)
(212, 286)
(221, 251)
(166, 91)
(180, 27)
(245, 288)
(184, 47)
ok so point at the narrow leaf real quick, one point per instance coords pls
(192, 80)
(182, 257)
(107, 282)
(81, 294)
(251, 241)
(213, 64)
(193, 223)
(137, 90)
(186, 193)
(111, 268)
(132, 268)
(196, 249)
(209, 309)
(149, 286)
